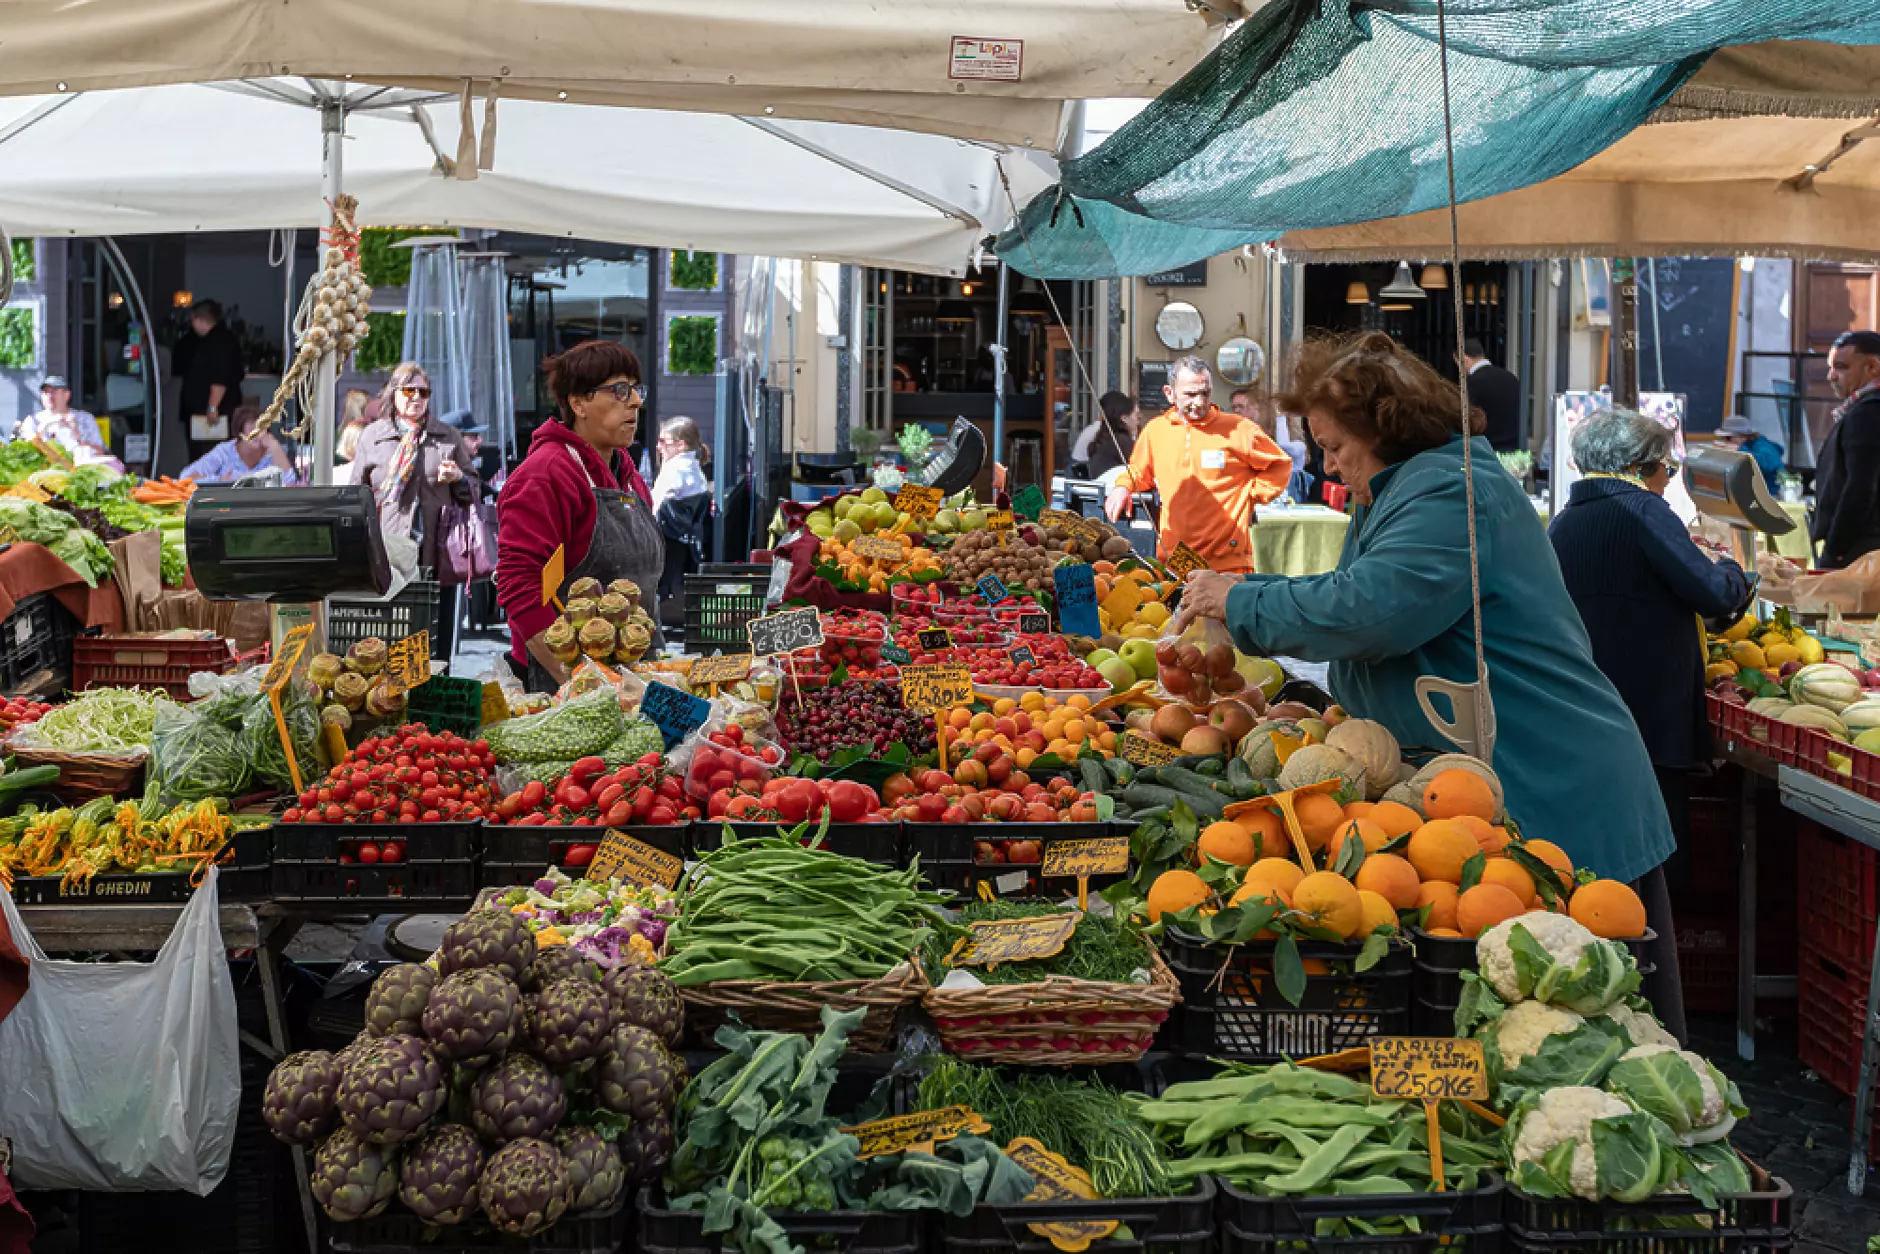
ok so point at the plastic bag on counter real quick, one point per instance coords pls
(707, 764)
(588, 677)
(1199, 665)
(586, 724)
(260, 740)
(91, 1106)
(194, 755)
(225, 699)
(1854, 589)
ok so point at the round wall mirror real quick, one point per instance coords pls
(1179, 325)
(1241, 361)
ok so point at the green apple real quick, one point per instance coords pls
(1097, 657)
(847, 530)
(1120, 674)
(873, 496)
(1140, 654)
(885, 513)
(946, 522)
(973, 520)
(824, 516)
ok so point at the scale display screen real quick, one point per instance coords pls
(277, 540)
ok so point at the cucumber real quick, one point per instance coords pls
(1153, 812)
(1211, 806)
(1210, 767)
(1184, 780)
(1240, 775)
(1148, 774)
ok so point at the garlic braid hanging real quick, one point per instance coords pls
(331, 319)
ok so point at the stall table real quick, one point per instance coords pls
(1298, 540)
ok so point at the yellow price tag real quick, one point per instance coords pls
(293, 645)
(1184, 561)
(1143, 751)
(918, 1131)
(1014, 940)
(875, 547)
(918, 500)
(1428, 1068)
(999, 520)
(1096, 855)
(30, 492)
(1055, 1180)
(495, 705)
(553, 570)
(408, 661)
(727, 668)
(620, 857)
(932, 688)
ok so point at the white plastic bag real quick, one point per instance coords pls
(123, 1076)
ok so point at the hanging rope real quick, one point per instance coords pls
(332, 317)
(1462, 380)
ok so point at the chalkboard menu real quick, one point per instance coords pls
(1151, 378)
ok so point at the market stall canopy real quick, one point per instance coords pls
(246, 156)
(1314, 116)
(988, 69)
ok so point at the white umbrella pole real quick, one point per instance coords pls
(326, 371)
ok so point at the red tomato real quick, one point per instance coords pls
(849, 801)
(578, 855)
(392, 851)
(368, 854)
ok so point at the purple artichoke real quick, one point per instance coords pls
(635, 1075)
(570, 1022)
(473, 1014)
(645, 1149)
(298, 1104)
(397, 1000)
(646, 997)
(525, 1187)
(517, 1099)
(595, 1174)
(559, 962)
(487, 939)
(437, 1181)
(351, 1178)
(353, 1048)
(391, 1090)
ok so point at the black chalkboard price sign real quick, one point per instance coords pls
(785, 632)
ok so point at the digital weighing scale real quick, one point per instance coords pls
(1728, 486)
(286, 545)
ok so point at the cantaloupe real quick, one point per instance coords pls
(1826, 684)
(1863, 715)
(1320, 762)
(1257, 750)
(1371, 745)
(1815, 716)
(1772, 706)
(1404, 794)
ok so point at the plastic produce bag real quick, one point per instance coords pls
(1200, 665)
(573, 729)
(89, 1105)
(259, 741)
(193, 756)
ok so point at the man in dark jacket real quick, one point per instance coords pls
(208, 363)
(1847, 470)
(1497, 393)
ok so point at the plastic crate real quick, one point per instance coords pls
(1830, 1006)
(447, 703)
(36, 637)
(350, 619)
(945, 851)
(439, 867)
(1745, 1223)
(1469, 1219)
(515, 855)
(719, 600)
(664, 1231)
(1707, 963)
(1232, 1008)
(398, 1231)
(879, 843)
(1157, 1225)
(1436, 983)
(147, 662)
(1839, 897)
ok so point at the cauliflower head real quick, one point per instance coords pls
(1640, 1026)
(1579, 1141)
(1695, 1100)
(1534, 1046)
(1552, 958)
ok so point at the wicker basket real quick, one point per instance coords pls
(83, 776)
(1056, 1021)
(780, 1007)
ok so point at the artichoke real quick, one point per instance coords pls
(396, 1002)
(645, 996)
(558, 962)
(595, 1173)
(560, 638)
(487, 938)
(517, 1099)
(437, 1181)
(324, 669)
(336, 716)
(614, 608)
(570, 1021)
(386, 698)
(390, 1090)
(635, 639)
(597, 638)
(368, 656)
(350, 690)
(353, 1049)
(628, 589)
(473, 1013)
(578, 611)
(298, 1104)
(645, 1149)
(635, 1076)
(351, 1178)
(525, 1187)
(586, 588)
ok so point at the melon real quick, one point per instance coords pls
(1320, 762)
(1404, 795)
(1256, 748)
(1372, 746)
(1868, 740)
(1863, 715)
(1817, 717)
(1772, 706)
(1457, 761)
(1826, 684)
(1314, 730)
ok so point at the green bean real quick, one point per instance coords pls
(1319, 1165)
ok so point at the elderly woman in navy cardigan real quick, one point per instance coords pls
(1642, 584)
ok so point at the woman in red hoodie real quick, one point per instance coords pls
(575, 491)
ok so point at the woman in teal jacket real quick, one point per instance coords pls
(1570, 759)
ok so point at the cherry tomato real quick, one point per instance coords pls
(369, 854)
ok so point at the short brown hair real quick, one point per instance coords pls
(404, 372)
(584, 368)
(1379, 391)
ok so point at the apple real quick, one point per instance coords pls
(1119, 674)
(1233, 719)
(1140, 654)
(1171, 723)
(1203, 739)
(1097, 657)
(1291, 709)
(1334, 715)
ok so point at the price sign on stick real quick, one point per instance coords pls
(785, 632)
(1028, 502)
(293, 646)
(934, 639)
(999, 520)
(1077, 600)
(918, 501)
(553, 571)
(495, 704)
(918, 1131)
(1143, 751)
(677, 714)
(1097, 855)
(876, 547)
(408, 661)
(1429, 1069)
(620, 857)
(727, 668)
(933, 688)
(29, 492)
(1023, 656)
(992, 588)
(1053, 1179)
(1015, 940)
(1184, 561)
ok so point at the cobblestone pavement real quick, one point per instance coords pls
(1797, 1129)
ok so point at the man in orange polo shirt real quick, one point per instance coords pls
(1212, 466)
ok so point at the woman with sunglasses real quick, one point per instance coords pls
(415, 465)
(576, 492)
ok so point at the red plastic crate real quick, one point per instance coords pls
(1863, 776)
(1839, 896)
(1830, 1004)
(1707, 964)
(148, 662)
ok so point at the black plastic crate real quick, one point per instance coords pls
(248, 875)
(161, 887)
(1745, 1223)
(1155, 1225)
(665, 1231)
(947, 861)
(398, 1231)
(439, 867)
(880, 843)
(719, 600)
(350, 619)
(1436, 983)
(36, 637)
(515, 855)
(1468, 1219)
(1232, 1008)
(447, 703)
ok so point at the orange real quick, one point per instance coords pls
(1395, 818)
(1230, 843)
(1457, 791)
(1445, 931)
(1391, 878)
(1370, 833)
(1440, 896)
(1255, 892)
(1378, 913)
(1360, 809)
(1485, 905)
(1511, 876)
(1554, 856)
(1319, 817)
(1267, 830)
(1492, 839)
(1608, 908)
(1176, 890)
(1274, 872)
(1439, 848)
(1329, 900)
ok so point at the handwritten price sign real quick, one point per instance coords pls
(1428, 1068)
(726, 668)
(999, 520)
(408, 661)
(1184, 561)
(785, 632)
(1035, 624)
(934, 639)
(1053, 1179)
(1077, 600)
(918, 501)
(916, 1131)
(1028, 501)
(620, 857)
(935, 687)
(1015, 940)
(1143, 751)
(293, 645)
(1099, 855)
(876, 547)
